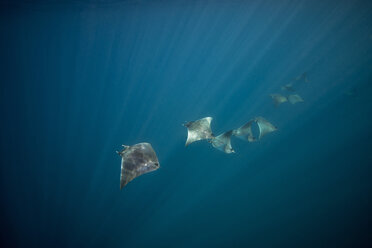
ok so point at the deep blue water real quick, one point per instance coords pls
(78, 79)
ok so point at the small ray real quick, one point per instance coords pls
(295, 99)
(137, 160)
(303, 76)
(222, 142)
(245, 132)
(288, 87)
(278, 99)
(264, 127)
(198, 130)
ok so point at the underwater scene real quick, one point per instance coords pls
(186, 123)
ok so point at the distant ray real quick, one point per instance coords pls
(222, 142)
(278, 99)
(303, 76)
(198, 130)
(288, 87)
(245, 132)
(295, 99)
(137, 160)
(264, 127)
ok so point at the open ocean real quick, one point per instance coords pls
(80, 78)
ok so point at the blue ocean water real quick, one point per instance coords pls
(81, 78)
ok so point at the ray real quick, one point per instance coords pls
(278, 99)
(295, 99)
(198, 130)
(137, 160)
(288, 87)
(245, 132)
(222, 142)
(303, 76)
(264, 127)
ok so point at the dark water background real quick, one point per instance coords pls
(78, 79)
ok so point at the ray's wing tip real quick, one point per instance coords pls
(123, 184)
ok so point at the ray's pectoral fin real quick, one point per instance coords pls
(126, 174)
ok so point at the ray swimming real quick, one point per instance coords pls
(293, 99)
(245, 132)
(222, 142)
(278, 99)
(303, 77)
(264, 126)
(137, 160)
(198, 130)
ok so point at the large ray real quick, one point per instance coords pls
(198, 130)
(245, 132)
(137, 160)
(222, 142)
(278, 99)
(295, 99)
(264, 126)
